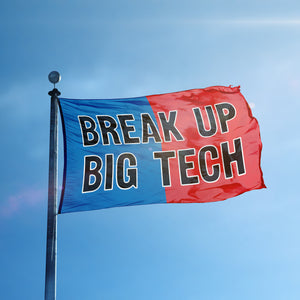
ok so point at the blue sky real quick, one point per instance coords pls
(243, 248)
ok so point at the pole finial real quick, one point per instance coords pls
(54, 77)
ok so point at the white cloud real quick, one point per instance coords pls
(261, 22)
(28, 197)
(244, 21)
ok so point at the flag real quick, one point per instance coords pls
(199, 145)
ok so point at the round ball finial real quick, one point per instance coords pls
(54, 77)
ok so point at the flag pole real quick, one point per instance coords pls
(50, 279)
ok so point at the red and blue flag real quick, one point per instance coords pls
(199, 145)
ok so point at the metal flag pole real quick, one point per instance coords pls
(50, 280)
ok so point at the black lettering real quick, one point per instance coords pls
(236, 156)
(108, 125)
(131, 174)
(184, 166)
(200, 123)
(224, 118)
(168, 126)
(90, 136)
(126, 129)
(91, 172)
(147, 123)
(109, 171)
(164, 165)
(203, 165)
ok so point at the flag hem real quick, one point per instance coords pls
(65, 159)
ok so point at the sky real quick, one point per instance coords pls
(247, 247)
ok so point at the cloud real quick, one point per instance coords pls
(29, 197)
(246, 21)
(258, 22)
